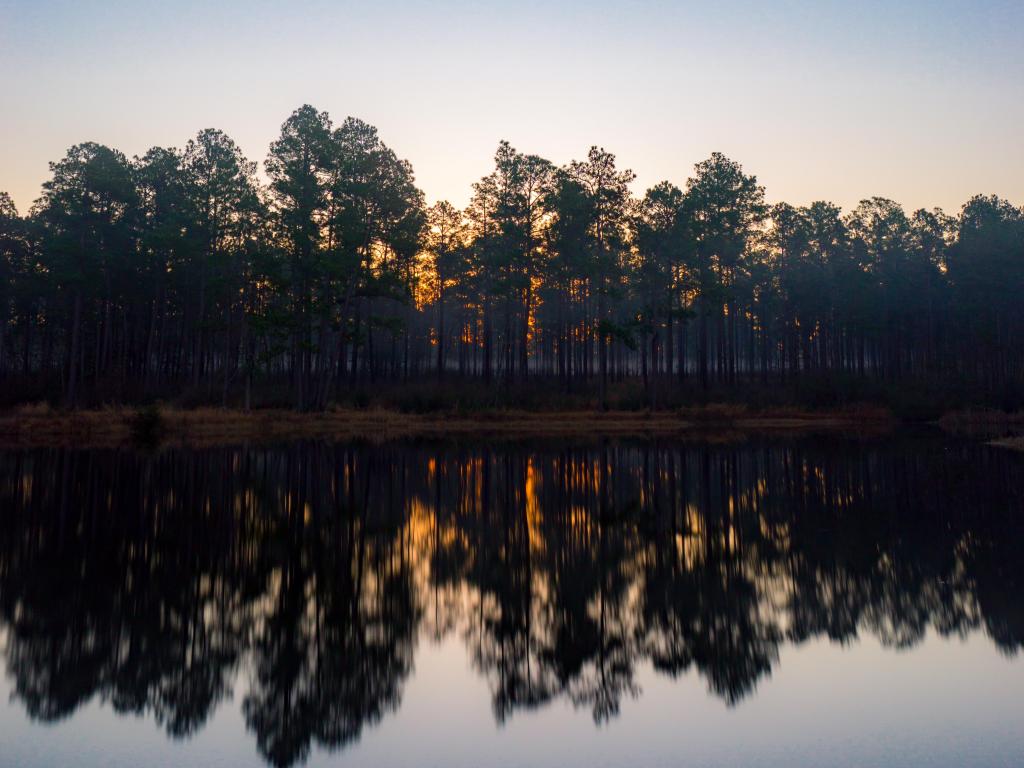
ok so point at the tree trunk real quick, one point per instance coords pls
(71, 397)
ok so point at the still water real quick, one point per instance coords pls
(786, 602)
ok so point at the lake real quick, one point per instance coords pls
(771, 601)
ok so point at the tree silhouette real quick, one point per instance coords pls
(179, 276)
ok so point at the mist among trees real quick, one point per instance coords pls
(180, 275)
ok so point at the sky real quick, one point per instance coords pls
(919, 101)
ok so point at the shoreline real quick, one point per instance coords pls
(1009, 443)
(111, 427)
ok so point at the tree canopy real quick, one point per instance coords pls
(180, 274)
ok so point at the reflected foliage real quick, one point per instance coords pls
(310, 572)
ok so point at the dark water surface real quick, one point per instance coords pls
(789, 601)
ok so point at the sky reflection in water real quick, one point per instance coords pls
(814, 601)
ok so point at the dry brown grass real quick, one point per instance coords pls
(41, 426)
(790, 417)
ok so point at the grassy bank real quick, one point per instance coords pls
(43, 426)
(912, 400)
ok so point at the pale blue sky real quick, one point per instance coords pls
(919, 101)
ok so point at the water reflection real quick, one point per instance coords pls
(313, 570)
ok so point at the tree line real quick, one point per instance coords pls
(180, 273)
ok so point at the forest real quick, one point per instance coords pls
(185, 276)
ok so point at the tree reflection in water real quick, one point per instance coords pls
(153, 581)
